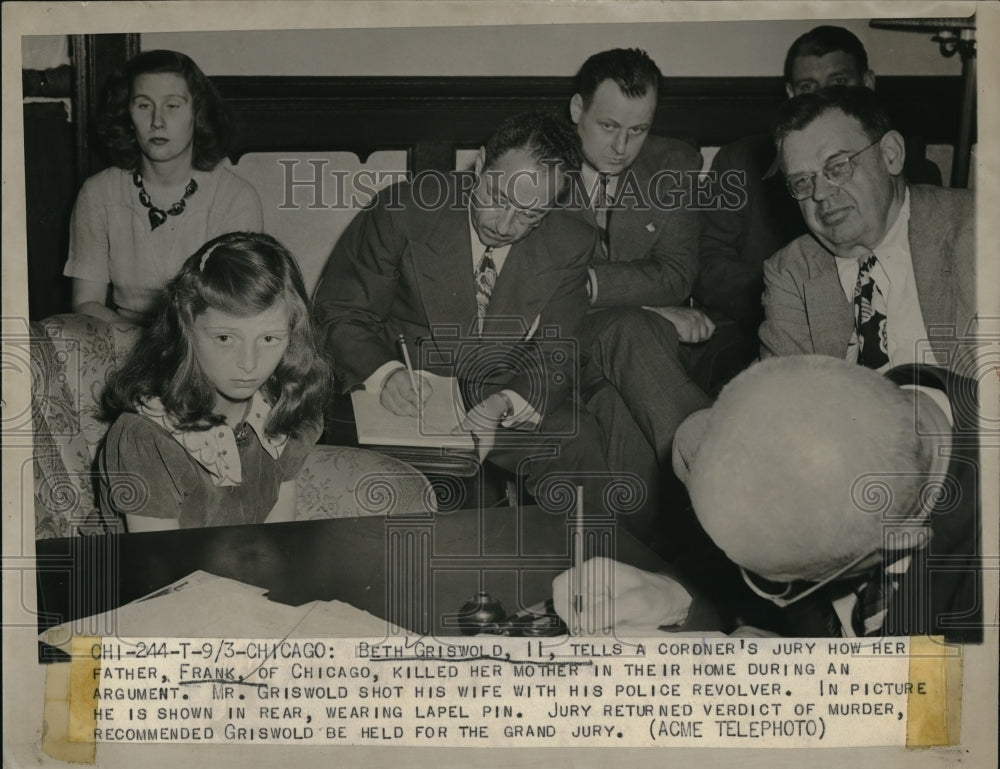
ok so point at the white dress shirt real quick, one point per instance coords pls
(893, 274)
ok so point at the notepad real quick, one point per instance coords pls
(441, 413)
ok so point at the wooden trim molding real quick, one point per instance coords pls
(431, 117)
(94, 57)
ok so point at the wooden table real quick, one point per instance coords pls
(415, 570)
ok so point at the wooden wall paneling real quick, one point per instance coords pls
(95, 57)
(431, 116)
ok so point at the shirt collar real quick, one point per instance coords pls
(896, 240)
(589, 174)
(478, 248)
(215, 448)
(893, 252)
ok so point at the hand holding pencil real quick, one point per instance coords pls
(404, 390)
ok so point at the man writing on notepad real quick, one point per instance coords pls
(485, 283)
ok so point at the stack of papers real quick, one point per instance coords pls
(203, 605)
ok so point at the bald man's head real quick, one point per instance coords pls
(802, 461)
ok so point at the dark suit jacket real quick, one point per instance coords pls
(807, 311)
(737, 238)
(404, 268)
(652, 231)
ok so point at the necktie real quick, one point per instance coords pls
(874, 595)
(485, 279)
(602, 212)
(869, 317)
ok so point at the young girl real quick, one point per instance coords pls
(165, 130)
(221, 400)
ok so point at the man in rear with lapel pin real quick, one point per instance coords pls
(885, 261)
(484, 282)
(640, 338)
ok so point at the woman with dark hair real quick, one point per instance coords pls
(222, 398)
(165, 129)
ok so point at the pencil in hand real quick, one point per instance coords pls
(408, 362)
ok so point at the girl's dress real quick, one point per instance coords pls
(215, 477)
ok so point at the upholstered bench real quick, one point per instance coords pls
(71, 358)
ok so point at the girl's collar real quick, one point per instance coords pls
(215, 449)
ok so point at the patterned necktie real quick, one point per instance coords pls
(874, 597)
(869, 317)
(485, 279)
(602, 211)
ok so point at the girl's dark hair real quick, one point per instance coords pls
(240, 273)
(212, 122)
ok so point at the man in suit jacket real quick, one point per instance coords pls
(838, 521)
(737, 239)
(844, 164)
(415, 263)
(634, 188)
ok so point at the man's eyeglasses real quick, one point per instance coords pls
(530, 217)
(838, 171)
(797, 590)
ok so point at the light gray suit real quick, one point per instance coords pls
(806, 310)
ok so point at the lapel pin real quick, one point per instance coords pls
(650, 227)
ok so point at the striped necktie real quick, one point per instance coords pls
(602, 211)
(875, 596)
(485, 280)
(869, 317)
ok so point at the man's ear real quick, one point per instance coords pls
(789, 91)
(868, 80)
(480, 161)
(893, 152)
(576, 108)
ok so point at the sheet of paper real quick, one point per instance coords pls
(441, 413)
(336, 619)
(204, 605)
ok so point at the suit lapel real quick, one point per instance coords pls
(629, 230)
(632, 231)
(829, 313)
(442, 263)
(525, 283)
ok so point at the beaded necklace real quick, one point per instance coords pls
(158, 216)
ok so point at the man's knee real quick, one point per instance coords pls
(687, 439)
(633, 330)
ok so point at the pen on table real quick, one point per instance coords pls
(408, 362)
(578, 558)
